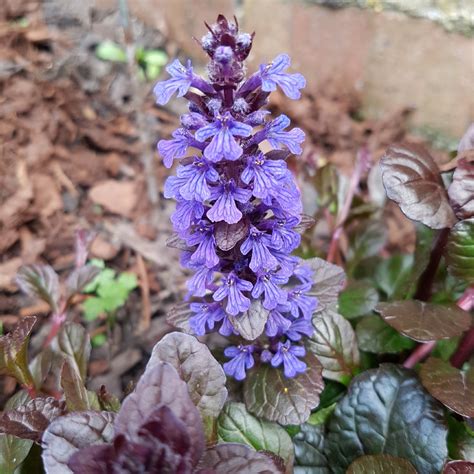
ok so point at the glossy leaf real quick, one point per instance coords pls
(269, 394)
(13, 450)
(461, 190)
(452, 387)
(73, 343)
(425, 322)
(161, 385)
(328, 281)
(379, 463)
(366, 240)
(14, 352)
(460, 251)
(231, 458)
(357, 299)
(460, 440)
(335, 345)
(29, 420)
(228, 235)
(68, 434)
(387, 411)
(40, 281)
(236, 425)
(309, 450)
(203, 375)
(374, 335)
(412, 179)
(251, 323)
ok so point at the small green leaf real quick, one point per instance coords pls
(460, 440)
(445, 348)
(93, 308)
(357, 299)
(99, 340)
(155, 57)
(393, 273)
(127, 281)
(460, 251)
(379, 463)
(236, 425)
(319, 417)
(110, 51)
(288, 401)
(374, 335)
(387, 411)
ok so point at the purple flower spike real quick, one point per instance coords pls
(277, 137)
(238, 208)
(273, 75)
(288, 356)
(232, 288)
(181, 80)
(223, 144)
(242, 360)
(258, 242)
(225, 208)
(267, 283)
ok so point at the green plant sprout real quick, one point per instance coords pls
(150, 60)
(110, 291)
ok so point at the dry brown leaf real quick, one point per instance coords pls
(119, 197)
(47, 199)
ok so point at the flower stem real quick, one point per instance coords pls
(422, 351)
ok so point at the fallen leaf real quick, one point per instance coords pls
(119, 197)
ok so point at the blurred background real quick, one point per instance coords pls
(78, 133)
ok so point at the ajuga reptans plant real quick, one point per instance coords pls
(238, 207)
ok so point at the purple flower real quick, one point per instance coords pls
(185, 214)
(267, 283)
(298, 328)
(273, 75)
(176, 147)
(223, 144)
(193, 121)
(265, 174)
(288, 356)
(287, 262)
(225, 209)
(301, 304)
(181, 80)
(258, 242)
(276, 324)
(241, 360)
(226, 328)
(232, 288)
(205, 315)
(203, 237)
(195, 180)
(304, 273)
(277, 137)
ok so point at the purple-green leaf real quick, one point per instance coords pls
(73, 387)
(288, 401)
(452, 387)
(461, 190)
(178, 317)
(251, 323)
(459, 467)
(232, 458)
(228, 235)
(70, 433)
(79, 278)
(425, 322)
(30, 420)
(161, 385)
(412, 179)
(203, 375)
